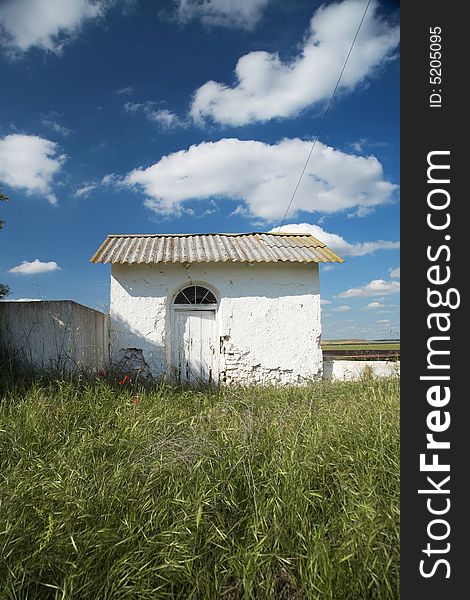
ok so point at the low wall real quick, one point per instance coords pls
(349, 370)
(62, 335)
(59, 335)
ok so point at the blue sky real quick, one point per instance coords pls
(130, 116)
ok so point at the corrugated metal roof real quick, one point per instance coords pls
(213, 247)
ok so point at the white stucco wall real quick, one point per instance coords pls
(268, 319)
(351, 370)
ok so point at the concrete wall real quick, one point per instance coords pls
(59, 335)
(349, 370)
(268, 321)
(268, 318)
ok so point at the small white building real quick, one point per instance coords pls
(229, 308)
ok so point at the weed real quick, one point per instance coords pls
(117, 492)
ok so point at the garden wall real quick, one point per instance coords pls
(349, 370)
(59, 335)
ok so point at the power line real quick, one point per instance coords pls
(325, 114)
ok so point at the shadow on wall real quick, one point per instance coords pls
(64, 337)
(142, 276)
(135, 355)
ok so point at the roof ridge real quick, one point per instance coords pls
(282, 233)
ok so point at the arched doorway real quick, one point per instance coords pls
(194, 350)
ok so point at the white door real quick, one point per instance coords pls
(193, 346)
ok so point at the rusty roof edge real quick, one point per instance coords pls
(318, 243)
(334, 257)
(94, 258)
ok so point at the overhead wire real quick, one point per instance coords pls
(325, 114)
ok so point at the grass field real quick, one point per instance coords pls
(110, 492)
(359, 345)
(365, 347)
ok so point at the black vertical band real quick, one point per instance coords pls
(435, 444)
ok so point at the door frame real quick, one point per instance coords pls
(175, 308)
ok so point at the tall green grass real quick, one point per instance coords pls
(113, 492)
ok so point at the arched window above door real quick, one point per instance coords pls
(195, 294)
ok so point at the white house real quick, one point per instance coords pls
(229, 308)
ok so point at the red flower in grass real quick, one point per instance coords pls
(136, 400)
(125, 380)
(101, 374)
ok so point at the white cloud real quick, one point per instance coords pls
(362, 211)
(111, 179)
(166, 119)
(384, 321)
(235, 14)
(327, 267)
(361, 144)
(124, 91)
(133, 107)
(268, 88)
(57, 127)
(30, 162)
(323, 301)
(20, 299)
(374, 306)
(336, 242)
(343, 308)
(84, 190)
(161, 116)
(395, 273)
(47, 24)
(35, 267)
(377, 287)
(358, 146)
(261, 177)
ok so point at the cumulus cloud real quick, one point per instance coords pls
(261, 177)
(35, 267)
(161, 116)
(376, 287)
(395, 273)
(235, 14)
(46, 24)
(267, 87)
(374, 306)
(30, 162)
(324, 301)
(336, 242)
(343, 308)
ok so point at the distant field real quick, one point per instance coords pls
(361, 349)
(115, 492)
(366, 346)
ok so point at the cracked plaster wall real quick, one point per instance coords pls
(268, 319)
